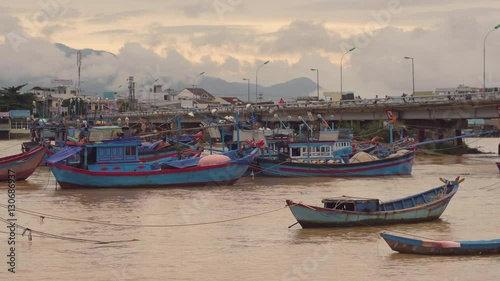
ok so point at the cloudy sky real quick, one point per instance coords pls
(229, 39)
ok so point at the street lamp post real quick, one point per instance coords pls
(78, 106)
(412, 73)
(248, 80)
(317, 80)
(194, 85)
(256, 78)
(484, 55)
(43, 107)
(341, 58)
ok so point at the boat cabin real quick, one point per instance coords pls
(320, 150)
(350, 204)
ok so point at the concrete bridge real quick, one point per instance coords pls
(456, 108)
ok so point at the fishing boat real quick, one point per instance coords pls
(23, 164)
(442, 248)
(399, 163)
(352, 211)
(117, 164)
(157, 150)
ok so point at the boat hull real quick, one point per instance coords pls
(401, 165)
(220, 174)
(425, 206)
(443, 248)
(23, 164)
(317, 218)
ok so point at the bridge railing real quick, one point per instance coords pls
(455, 99)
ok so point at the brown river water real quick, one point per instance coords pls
(253, 246)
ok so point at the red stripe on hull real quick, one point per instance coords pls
(135, 174)
(66, 185)
(24, 169)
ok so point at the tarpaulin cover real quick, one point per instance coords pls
(184, 163)
(64, 153)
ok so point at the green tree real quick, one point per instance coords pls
(11, 99)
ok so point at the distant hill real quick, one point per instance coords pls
(85, 52)
(298, 87)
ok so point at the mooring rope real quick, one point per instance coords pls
(43, 216)
(29, 231)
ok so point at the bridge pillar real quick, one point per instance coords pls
(458, 133)
(421, 135)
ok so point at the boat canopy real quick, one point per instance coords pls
(65, 153)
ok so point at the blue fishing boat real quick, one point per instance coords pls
(157, 150)
(398, 164)
(442, 248)
(117, 164)
(352, 211)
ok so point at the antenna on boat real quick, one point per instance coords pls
(281, 121)
(324, 122)
(307, 125)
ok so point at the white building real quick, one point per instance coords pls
(195, 94)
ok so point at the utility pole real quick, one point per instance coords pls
(131, 93)
(79, 64)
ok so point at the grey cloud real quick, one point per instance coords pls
(50, 29)
(115, 17)
(8, 23)
(302, 36)
(197, 8)
(113, 32)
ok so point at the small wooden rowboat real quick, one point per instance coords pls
(431, 247)
(352, 211)
(23, 164)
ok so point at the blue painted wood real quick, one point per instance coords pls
(400, 165)
(150, 174)
(346, 211)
